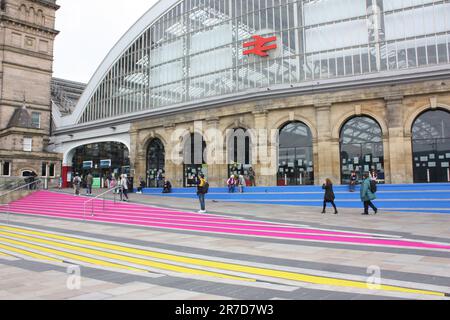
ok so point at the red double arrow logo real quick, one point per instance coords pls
(260, 46)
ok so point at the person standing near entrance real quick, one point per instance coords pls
(124, 188)
(368, 194)
(89, 182)
(329, 196)
(353, 180)
(202, 190)
(242, 183)
(251, 175)
(76, 184)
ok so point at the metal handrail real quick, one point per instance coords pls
(95, 198)
(8, 212)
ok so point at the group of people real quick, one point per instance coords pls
(367, 193)
(236, 181)
(120, 185)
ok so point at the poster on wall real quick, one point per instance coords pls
(377, 160)
(424, 159)
(356, 160)
(366, 168)
(432, 156)
(445, 165)
(432, 164)
(368, 158)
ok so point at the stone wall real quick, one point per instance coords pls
(394, 107)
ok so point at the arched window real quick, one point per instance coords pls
(156, 158)
(194, 159)
(295, 157)
(361, 143)
(239, 152)
(431, 147)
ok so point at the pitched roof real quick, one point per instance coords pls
(21, 119)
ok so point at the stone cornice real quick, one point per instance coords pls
(34, 26)
(29, 53)
(22, 131)
(47, 3)
(15, 154)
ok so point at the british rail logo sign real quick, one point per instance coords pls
(260, 46)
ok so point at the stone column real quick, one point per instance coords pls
(134, 149)
(396, 160)
(174, 170)
(265, 156)
(216, 159)
(328, 164)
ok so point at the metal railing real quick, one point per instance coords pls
(92, 201)
(33, 186)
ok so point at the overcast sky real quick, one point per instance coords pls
(88, 30)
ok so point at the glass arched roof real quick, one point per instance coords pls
(183, 52)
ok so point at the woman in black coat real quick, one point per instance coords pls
(329, 196)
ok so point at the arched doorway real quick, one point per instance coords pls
(28, 173)
(295, 155)
(156, 157)
(194, 159)
(104, 160)
(239, 152)
(361, 145)
(431, 147)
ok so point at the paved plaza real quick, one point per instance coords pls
(259, 252)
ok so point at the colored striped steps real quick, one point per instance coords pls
(66, 206)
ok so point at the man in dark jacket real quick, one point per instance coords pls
(89, 182)
(367, 196)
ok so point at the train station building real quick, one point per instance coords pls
(299, 91)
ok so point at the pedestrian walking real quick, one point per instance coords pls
(76, 181)
(329, 196)
(252, 177)
(89, 182)
(124, 188)
(202, 190)
(368, 190)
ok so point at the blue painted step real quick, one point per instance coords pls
(413, 197)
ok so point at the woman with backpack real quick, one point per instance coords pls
(329, 196)
(202, 190)
(368, 190)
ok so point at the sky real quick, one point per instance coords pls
(88, 31)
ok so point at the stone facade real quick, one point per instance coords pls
(395, 107)
(27, 33)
